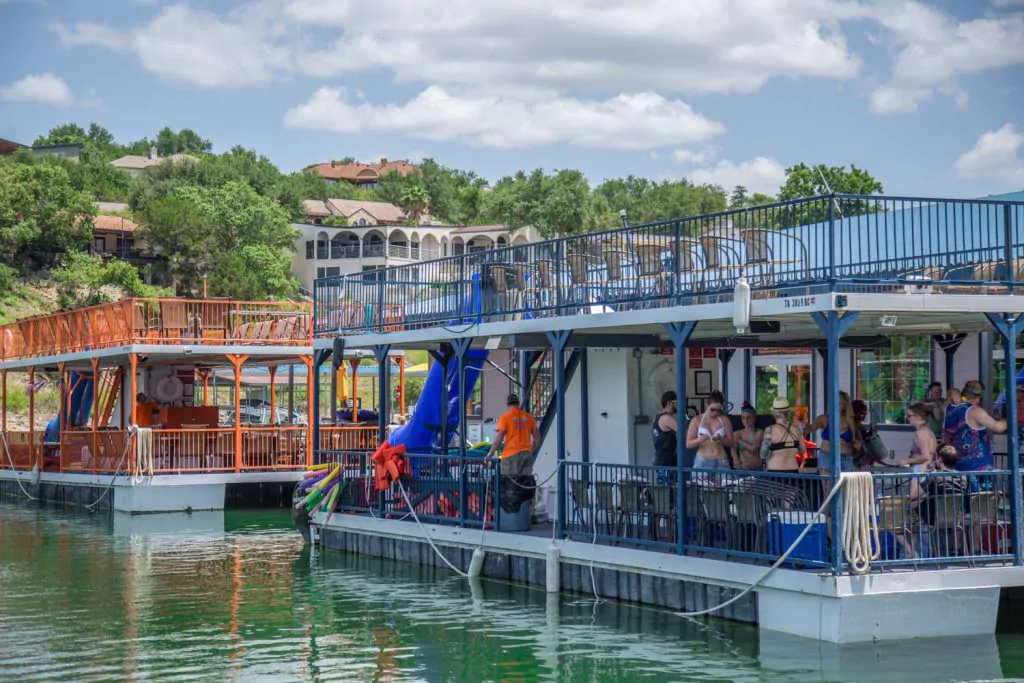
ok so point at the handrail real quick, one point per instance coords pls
(158, 321)
(831, 243)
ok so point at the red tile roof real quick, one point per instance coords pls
(114, 224)
(363, 173)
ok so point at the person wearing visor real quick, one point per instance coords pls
(711, 434)
(969, 428)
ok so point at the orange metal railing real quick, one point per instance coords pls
(193, 450)
(158, 321)
(349, 438)
(25, 447)
(87, 451)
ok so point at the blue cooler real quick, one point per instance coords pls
(784, 526)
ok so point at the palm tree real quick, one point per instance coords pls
(414, 202)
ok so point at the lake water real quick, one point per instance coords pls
(235, 596)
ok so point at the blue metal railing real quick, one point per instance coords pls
(832, 243)
(434, 489)
(925, 521)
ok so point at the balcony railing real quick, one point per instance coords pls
(824, 244)
(344, 251)
(157, 321)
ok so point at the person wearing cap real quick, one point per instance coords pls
(969, 428)
(711, 433)
(783, 441)
(518, 431)
(748, 441)
(666, 434)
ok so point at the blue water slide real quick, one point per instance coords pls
(420, 433)
(80, 409)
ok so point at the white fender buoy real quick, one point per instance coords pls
(553, 565)
(35, 474)
(476, 564)
(741, 306)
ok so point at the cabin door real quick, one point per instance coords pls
(787, 375)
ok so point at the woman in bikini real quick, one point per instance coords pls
(849, 439)
(783, 441)
(711, 433)
(748, 441)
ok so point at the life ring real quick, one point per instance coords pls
(170, 389)
(661, 379)
(8, 344)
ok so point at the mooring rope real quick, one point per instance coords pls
(859, 507)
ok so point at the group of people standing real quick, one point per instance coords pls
(719, 446)
(957, 420)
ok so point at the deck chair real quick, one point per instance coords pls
(691, 280)
(896, 516)
(173, 319)
(579, 278)
(663, 513)
(631, 496)
(606, 505)
(540, 293)
(581, 502)
(770, 266)
(948, 524)
(617, 285)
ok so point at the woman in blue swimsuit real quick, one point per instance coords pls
(849, 440)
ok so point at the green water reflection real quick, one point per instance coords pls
(236, 596)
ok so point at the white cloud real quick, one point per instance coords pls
(195, 46)
(935, 49)
(995, 156)
(760, 174)
(639, 121)
(89, 33)
(45, 88)
(688, 157)
(704, 45)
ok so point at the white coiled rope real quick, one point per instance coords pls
(860, 522)
(143, 453)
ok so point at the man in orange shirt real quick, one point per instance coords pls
(519, 432)
(145, 411)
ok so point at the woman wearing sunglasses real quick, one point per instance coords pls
(711, 434)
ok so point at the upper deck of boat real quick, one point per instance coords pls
(925, 264)
(159, 326)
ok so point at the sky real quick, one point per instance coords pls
(926, 95)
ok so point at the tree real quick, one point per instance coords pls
(231, 234)
(185, 141)
(180, 230)
(646, 201)
(806, 181)
(41, 214)
(85, 280)
(336, 221)
(64, 134)
(738, 199)
(414, 203)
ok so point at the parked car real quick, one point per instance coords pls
(261, 415)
